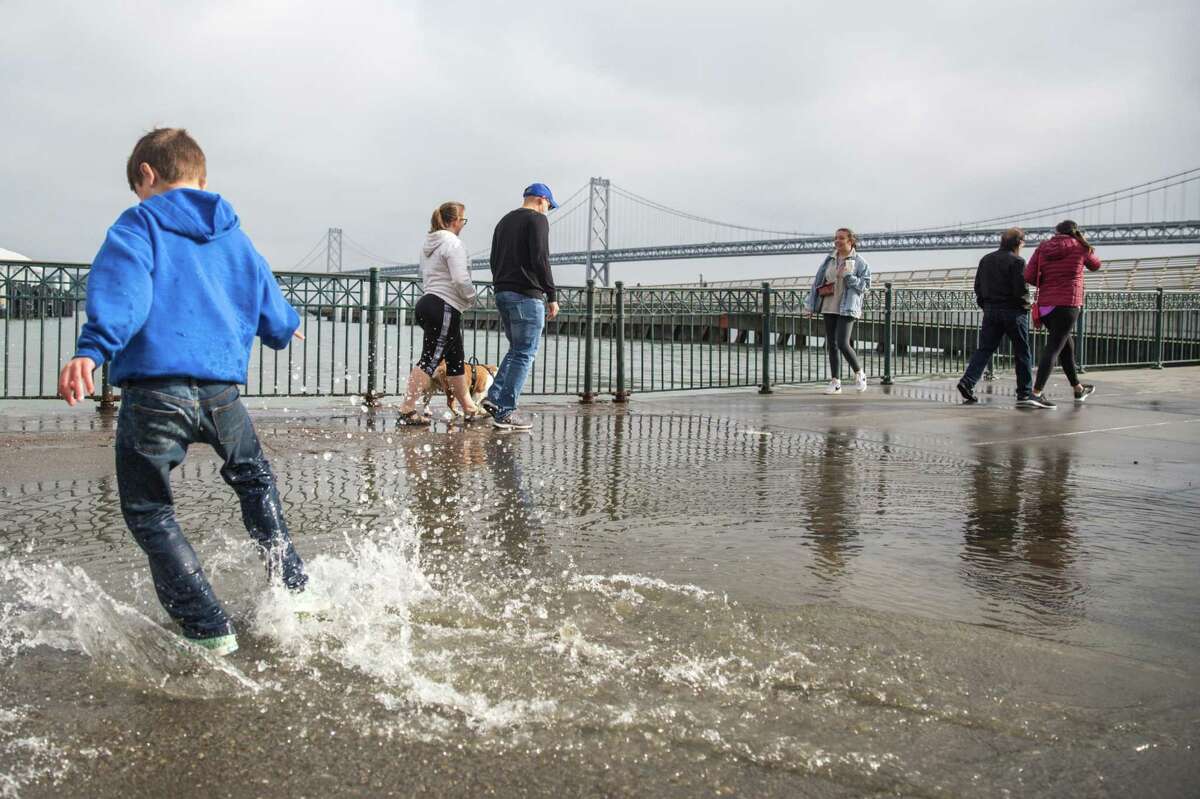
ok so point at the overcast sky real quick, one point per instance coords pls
(794, 115)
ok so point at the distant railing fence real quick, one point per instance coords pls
(361, 338)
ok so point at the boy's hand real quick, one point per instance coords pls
(298, 334)
(551, 310)
(75, 380)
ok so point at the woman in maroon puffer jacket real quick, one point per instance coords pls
(1056, 269)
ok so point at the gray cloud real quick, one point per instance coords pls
(365, 115)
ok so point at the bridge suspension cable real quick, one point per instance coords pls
(1181, 180)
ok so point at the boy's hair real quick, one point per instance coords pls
(171, 153)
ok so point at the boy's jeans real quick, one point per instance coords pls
(523, 318)
(159, 418)
(997, 323)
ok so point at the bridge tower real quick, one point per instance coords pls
(333, 250)
(598, 195)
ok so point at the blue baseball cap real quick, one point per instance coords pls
(541, 190)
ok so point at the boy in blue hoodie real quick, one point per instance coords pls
(174, 299)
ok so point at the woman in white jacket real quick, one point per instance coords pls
(446, 280)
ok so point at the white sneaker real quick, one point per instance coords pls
(860, 381)
(834, 387)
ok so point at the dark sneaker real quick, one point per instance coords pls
(968, 394)
(489, 406)
(1039, 402)
(513, 421)
(1086, 390)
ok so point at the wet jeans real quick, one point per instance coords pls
(523, 319)
(158, 420)
(997, 323)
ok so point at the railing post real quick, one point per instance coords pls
(1081, 339)
(766, 339)
(589, 393)
(373, 395)
(622, 395)
(108, 400)
(1158, 328)
(887, 334)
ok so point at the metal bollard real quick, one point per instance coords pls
(373, 396)
(589, 393)
(765, 388)
(108, 400)
(621, 395)
(887, 334)
(1159, 309)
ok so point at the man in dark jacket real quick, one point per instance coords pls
(525, 299)
(1001, 292)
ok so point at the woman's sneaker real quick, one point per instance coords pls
(1086, 390)
(860, 381)
(834, 387)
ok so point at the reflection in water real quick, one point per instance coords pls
(1019, 540)
(829, 488)
(668, 619)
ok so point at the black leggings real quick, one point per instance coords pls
(442, 324)
(837, 339)
(1060, 344)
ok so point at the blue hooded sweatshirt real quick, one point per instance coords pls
(178, 290)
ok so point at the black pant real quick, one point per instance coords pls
(837, 339)
(1060, 344)
(999, 322)
(442, 325)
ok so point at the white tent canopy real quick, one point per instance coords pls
(9, 255)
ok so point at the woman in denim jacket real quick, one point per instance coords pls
(837, 294)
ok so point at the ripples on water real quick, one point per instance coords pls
(677, 592)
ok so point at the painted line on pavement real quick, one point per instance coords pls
(1083, 432)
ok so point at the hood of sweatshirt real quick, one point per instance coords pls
(435, 240)
(199, 215)
(1059, 246)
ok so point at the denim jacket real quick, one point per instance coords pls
(858, 283)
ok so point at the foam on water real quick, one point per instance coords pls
(62, 607)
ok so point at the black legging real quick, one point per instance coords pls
(837, 339)
(1060, 344)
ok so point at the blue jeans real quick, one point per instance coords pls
(158, 420)
(998, 323)
(523, 319)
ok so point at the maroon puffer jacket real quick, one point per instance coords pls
(1060, 260)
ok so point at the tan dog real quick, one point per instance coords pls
(480, 377)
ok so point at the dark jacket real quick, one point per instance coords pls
(1000, 281)
(521, 255)
(1056, 268)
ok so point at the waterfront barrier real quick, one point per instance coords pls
(361, 339)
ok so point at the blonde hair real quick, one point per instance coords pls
(445, 215)
(849, 234)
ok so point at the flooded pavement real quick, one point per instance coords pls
(708, 594)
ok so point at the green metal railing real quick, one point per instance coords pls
(361, 338)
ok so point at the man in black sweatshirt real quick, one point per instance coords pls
(525, 298)
(1001, 292)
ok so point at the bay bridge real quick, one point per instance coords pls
(602, 223)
